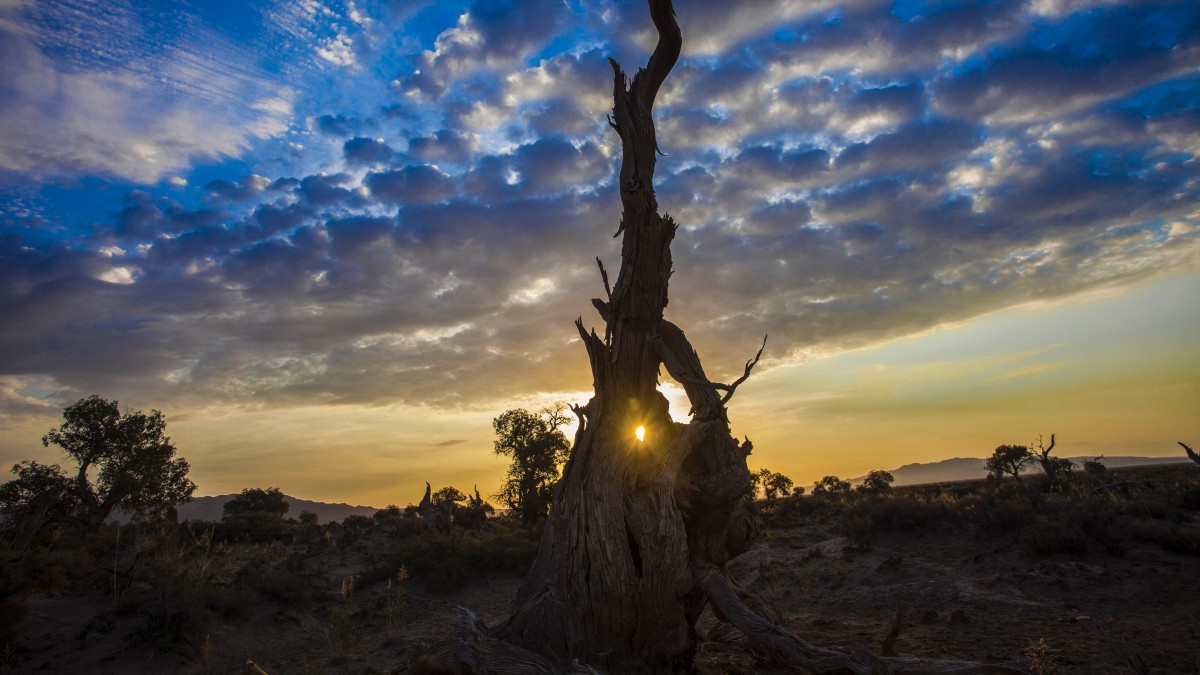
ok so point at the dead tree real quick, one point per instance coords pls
(1055, 468)
(1190, 453)
(1094, 466)
(648, 512)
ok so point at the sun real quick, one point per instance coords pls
(640, 433)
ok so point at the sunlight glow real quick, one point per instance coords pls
(640, 433)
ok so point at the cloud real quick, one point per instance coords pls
(366, 151)
(244, 189)
(145, 108)
(843, 174)
(415, 184)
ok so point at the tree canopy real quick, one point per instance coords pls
(1008, 460)
(773, 483)
(269, 502)
(537, 447)
(831, 485)
(877, 481)
(36, 483)
(133, 460)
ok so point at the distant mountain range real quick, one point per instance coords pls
(973, 468)
(211, 508)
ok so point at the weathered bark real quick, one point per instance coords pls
(640, 532)
(1190, 453)
(614, 581)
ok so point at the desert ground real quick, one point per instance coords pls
(1072, 580)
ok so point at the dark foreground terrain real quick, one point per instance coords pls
(1066, 580)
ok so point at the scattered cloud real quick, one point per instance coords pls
(843, 174)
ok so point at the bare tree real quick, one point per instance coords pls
(648, 511)
(1190, 453)
(1055, 468)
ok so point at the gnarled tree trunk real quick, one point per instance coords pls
(640, 531)
(615, 580)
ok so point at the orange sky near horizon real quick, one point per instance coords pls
(1111, 372)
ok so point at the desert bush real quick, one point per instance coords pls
(903, 512)
(253, 527)
(445, 560)
(286, 584)
(1046, 536)
(341, 631)
(1189, 497)
(357, 523)
(1095, 467)
(1178, 537)
(997, 510)
(166, 577)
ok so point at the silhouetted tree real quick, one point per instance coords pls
(308, 518)
(648, 511)
(1055, 468)
(256, 514)
(1008, 460)
(134, 461)
(774, 484)
(831, 486)
(1094, 466)
(269, 502)
(34, 482)
(449, 495)
(537, 447)
(39, 494)
(474, 513)
(877, 481)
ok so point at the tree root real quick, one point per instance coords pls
(476, 650)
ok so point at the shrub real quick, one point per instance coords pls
(830, 486)
(446, 560)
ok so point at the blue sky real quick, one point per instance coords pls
(260, 216)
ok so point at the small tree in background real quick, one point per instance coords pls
(257, 514)
(831, 486)
(774, 484)
(1008, 460)
(39, 494)
(36, 483)
(270, 502)
(133, 460)
(1095, 467)
(475, 513)
(877, 481)
(1056, 468)
(448, 495)
(537, 447)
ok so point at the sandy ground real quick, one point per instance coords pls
(962, 595)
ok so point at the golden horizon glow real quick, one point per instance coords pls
(1117, 375)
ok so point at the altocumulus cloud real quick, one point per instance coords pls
(417, 201)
